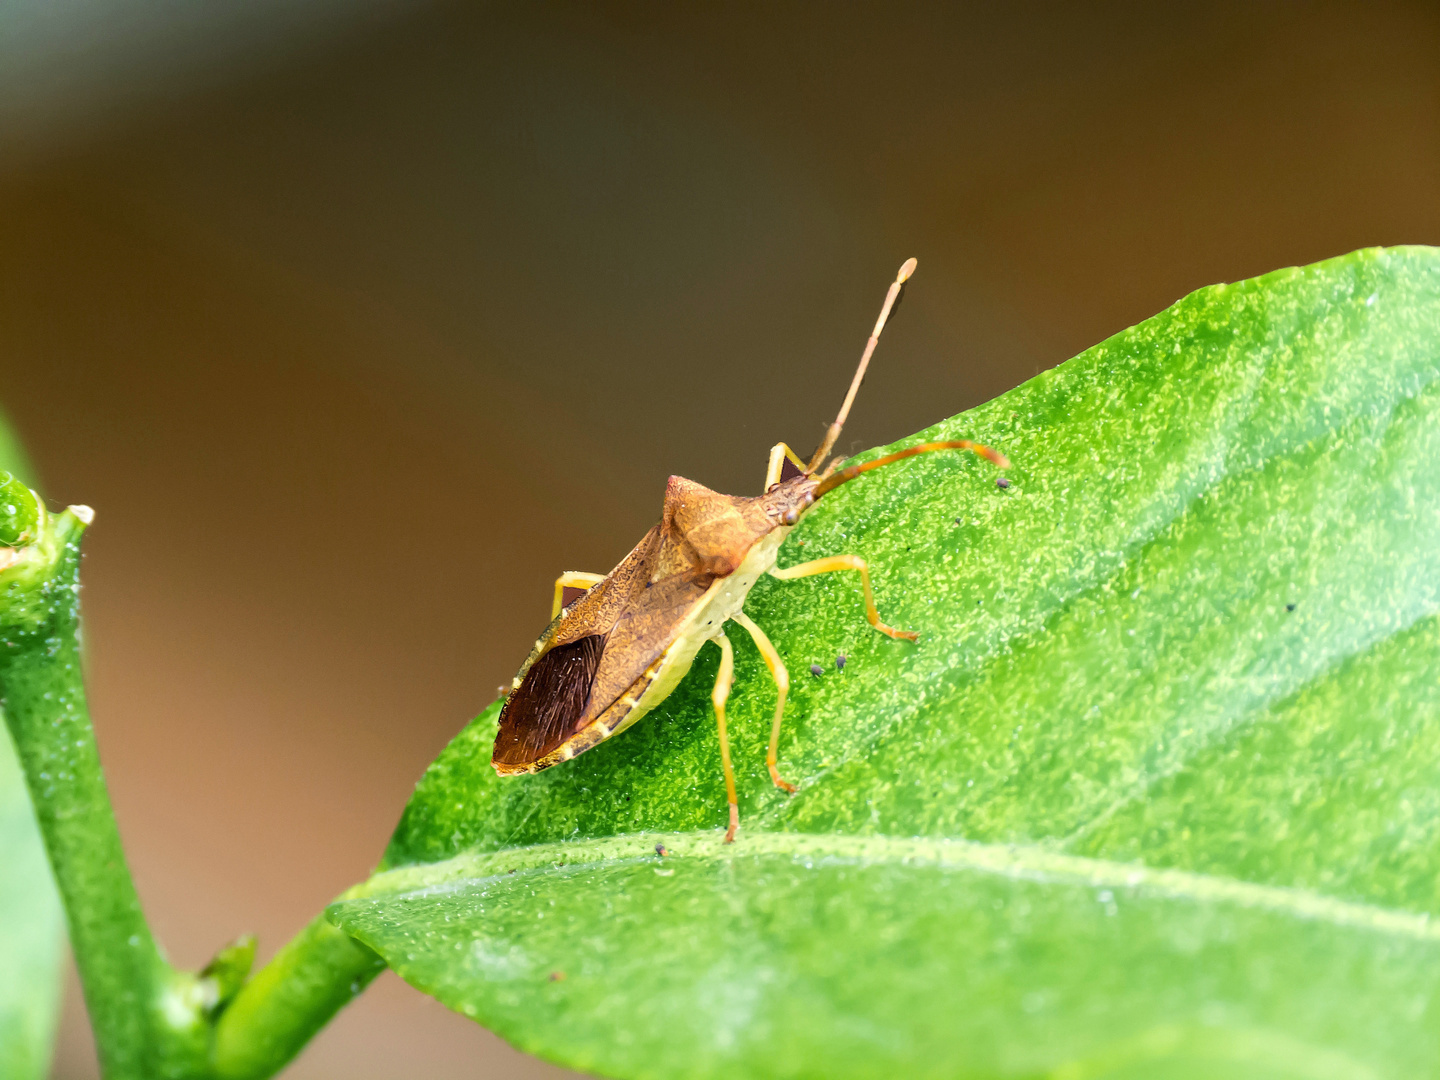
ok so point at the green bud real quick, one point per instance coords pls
(20, 512)
(225, 975)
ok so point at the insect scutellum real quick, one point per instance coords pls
(620, 646)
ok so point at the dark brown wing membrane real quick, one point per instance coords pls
(606, 640)
(545, 710)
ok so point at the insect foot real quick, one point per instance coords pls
(783, 785)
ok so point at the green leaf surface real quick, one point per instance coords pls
(31, 922)
(1157, 793)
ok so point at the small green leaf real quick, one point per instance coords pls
(31, 925)
(1156, 793)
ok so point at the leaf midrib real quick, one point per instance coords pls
(1019, 861)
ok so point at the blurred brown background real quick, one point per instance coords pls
(358, 321)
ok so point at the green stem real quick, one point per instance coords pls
(150, 1021)
(277, 1012)
(121, 969)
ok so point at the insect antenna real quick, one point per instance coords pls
(830, 483)
(834, 432)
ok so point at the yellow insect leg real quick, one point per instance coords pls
(717, 698)
(779, 453)
(846, 562)
(572, 579)
(782, 687)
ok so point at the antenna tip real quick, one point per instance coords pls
(905, 272)
(996, 458)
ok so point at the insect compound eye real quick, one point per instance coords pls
(791, 516)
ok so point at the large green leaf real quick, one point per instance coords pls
(31, 925)
(1157, 792)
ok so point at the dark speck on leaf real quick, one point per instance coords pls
(1002, 483)
(816, 670)
(1289, 607)
(840, 662)
(557, 976)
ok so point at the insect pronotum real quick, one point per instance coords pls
(619, 643)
